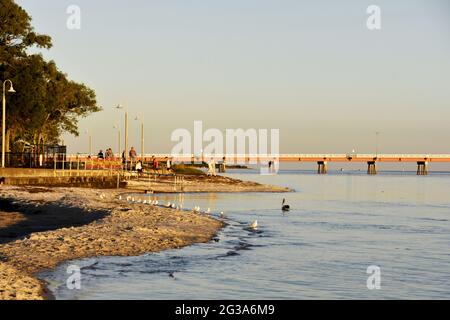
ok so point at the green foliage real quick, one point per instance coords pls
(47, 103)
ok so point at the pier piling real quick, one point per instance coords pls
(371, 167)
(322, 167)
(422, 168)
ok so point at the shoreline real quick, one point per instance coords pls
(41, 228)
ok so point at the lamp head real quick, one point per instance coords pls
(11, 89)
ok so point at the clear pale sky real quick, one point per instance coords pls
(309, 68)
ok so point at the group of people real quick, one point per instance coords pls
(138, 164)
(133, 157)
(108, 155)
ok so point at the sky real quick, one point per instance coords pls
(311, 69)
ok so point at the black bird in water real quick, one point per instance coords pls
(285, 207)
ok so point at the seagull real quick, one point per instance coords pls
(120, 197)
(222, 214)
(254, 225)
(285, 207)
(208, 210)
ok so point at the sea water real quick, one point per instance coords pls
(340, 224)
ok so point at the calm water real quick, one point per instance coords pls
(339, 225)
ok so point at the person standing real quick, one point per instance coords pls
(212, 167)
(223, 165)
(133, 154)
(108, 154)
(155, 164)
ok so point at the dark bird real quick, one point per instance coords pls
(285, 207)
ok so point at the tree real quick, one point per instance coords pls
(47, 103)
(16, 33)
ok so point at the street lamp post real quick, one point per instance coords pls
(118, 141)
(119, 107)
(11, 90)
(140, 117)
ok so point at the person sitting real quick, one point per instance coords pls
(100, 154)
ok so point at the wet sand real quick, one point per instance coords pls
(42, 227)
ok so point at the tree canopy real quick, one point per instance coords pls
(47, 103)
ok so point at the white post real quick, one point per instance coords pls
(3, 125)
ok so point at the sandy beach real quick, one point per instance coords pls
(42, 227)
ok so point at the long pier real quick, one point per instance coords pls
(322, 160)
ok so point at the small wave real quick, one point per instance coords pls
(433, 219)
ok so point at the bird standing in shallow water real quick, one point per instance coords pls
(285, 207)
(254, 225)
